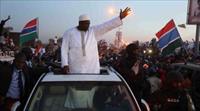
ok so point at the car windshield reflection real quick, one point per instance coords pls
(81, 96)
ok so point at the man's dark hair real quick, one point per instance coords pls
(26, 50)
(19, 56)
(131, 47)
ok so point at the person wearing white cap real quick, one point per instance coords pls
(79, 51)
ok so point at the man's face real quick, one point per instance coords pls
(20, 63)
(84, 25)
(29, 55)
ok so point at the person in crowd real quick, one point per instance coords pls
(50, 50)
(57, 57)
(172, 96)
(15, 83)
(132, 71)
(3, 38)
(2, 24)
(55, 40)
(7, 39)
(155, 82)
(12, 44)
(79, 53)
(196, 90)
(36, 68)
(30, 65)
(39, 49)
(29, 56)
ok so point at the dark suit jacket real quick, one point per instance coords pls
(6, 72)
(137, 83)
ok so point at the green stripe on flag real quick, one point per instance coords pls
(26, 38)
(171, 47)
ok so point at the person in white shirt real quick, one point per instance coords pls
(79, 53)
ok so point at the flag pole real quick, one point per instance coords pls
(37, 27)
(182, 44)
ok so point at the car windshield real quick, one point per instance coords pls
(82, 96)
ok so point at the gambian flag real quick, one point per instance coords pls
(29, 32)
(168, 38)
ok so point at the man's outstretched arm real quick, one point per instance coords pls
(111, 24)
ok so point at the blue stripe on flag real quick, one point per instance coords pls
(28, 30)
(170, 36)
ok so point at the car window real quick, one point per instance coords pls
(81, 97)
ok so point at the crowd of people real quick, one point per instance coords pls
(146, 72)
(29, 63)
(152, 78)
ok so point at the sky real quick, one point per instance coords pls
(56, 16)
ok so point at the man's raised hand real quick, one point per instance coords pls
(124, 13)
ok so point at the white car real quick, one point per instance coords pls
(106, 91)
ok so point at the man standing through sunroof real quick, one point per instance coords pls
(79, 51)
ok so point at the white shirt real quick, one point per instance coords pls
(72, 53)
(29, 64)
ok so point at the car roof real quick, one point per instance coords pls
(188, 65)
(106, 75)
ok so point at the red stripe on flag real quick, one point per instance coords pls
(31, 23)
(166, 28)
